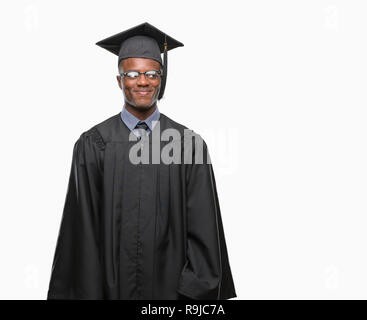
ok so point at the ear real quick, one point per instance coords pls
(119, 81)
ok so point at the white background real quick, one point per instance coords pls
(276, 88)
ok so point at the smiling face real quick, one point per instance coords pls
(140, 93)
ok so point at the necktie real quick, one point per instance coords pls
(142, 125)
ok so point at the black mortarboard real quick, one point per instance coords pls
(142, 41)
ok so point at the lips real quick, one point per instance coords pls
(143, 92)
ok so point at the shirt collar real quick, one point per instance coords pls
(131, 121)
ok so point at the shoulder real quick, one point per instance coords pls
(186, 133)
(100, 133)
(192, 142)
(170, 123)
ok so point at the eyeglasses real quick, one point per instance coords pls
(133, 75)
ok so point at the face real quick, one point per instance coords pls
(140, 93)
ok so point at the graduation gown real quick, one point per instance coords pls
(139, 231)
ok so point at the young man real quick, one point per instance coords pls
(141, 217)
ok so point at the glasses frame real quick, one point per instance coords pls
(124, 75)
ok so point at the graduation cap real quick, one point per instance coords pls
(142, 41)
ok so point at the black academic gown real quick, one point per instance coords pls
(139, 231)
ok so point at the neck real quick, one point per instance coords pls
(140, 113)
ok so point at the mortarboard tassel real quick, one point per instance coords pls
(164, 77)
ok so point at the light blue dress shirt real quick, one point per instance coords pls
(131, 121)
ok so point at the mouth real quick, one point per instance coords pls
(142, 92)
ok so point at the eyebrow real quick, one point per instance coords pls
(143, 71)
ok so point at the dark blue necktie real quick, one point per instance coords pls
(142, 125)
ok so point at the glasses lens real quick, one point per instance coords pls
(152, 74)
(132, 74)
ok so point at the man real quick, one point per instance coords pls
(141, 230)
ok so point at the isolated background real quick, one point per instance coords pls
(276, 88)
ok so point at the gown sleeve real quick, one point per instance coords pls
(207, 273)
(76, 269)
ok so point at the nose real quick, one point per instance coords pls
(141, 79)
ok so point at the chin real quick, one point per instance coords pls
(143, 105)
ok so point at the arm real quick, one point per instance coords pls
(76, 268)
(206, 274)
